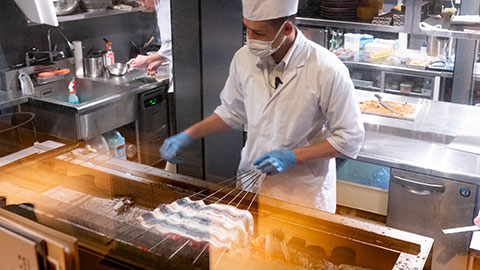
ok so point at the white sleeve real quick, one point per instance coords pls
(232, 110)
(342, 112)
(165, 27)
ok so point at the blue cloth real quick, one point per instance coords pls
(276, 161)
(171, 146)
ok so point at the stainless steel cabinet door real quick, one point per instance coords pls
(425, 205)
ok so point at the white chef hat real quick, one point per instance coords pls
(262, 10)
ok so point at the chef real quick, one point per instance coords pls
(154, 61)
(297, 100)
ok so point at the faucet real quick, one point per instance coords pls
(51, 52)
(70, 45)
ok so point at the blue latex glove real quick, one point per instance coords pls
(172, 145)
(276, 161)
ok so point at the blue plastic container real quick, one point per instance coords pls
(365, 174)
(116, 143)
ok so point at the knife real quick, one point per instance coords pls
(461, 229)
(385, 104)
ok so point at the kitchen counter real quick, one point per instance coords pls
(11, 99)
(135, 78)
(105, 103)
(101, 90)
(422, 145)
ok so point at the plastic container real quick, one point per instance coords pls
(406, 88)
(364, 174)
(365, 39)
(352, 42)
(379, 45)
(427, 88)
(423, 50)
(116, 143)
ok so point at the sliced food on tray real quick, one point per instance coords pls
(404, 109)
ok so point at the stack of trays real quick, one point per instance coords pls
(398, 19)
(382, 20)
(335, 9)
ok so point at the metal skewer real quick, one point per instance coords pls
(220, 258)
(245, 195)
(157, 244)
(219, 190)
(198, 257)
(256, 194)
(140, 234)
(245, 189)
(251, 179)
(221, 183)
(171, 256)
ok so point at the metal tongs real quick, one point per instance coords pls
(385, 104)
(461, 229)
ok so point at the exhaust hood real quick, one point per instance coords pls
(39, 11)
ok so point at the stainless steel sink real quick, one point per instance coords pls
(102, 107)
(88, 91)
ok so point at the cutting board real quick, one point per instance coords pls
(410, 117)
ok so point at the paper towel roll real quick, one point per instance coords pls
(78, 55)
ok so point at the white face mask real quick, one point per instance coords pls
(261, 48)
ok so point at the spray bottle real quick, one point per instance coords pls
(72, 97)
(108, 56)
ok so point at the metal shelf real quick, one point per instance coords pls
(348, 25)
(474, 35)
(91, 15)
(368, 88)
(407, 94)
(403, 69)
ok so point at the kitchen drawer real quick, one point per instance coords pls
(425, 205)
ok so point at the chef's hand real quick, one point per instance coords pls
(139, 62)
(153, 66)
(476, 220)
(276, 161)
(172, 145)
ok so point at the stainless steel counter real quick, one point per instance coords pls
(11, 99)
(106, 103)
(422, 145)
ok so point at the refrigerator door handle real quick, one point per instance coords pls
(418, 188)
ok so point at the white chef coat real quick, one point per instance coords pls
(165, 27)
(315, 102)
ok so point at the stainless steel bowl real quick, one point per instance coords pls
(117, 69)
(64, 7)
(95, 5)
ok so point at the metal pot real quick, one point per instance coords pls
(64, 7)
(94, 65)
